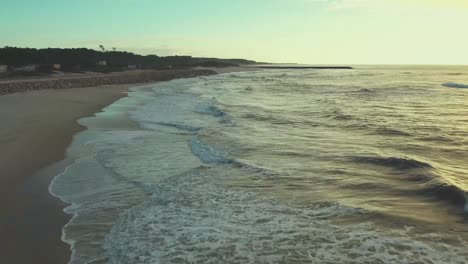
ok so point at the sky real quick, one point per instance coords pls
(283, 31)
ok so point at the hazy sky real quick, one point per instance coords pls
(303, 31)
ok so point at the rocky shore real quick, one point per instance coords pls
(90, 80)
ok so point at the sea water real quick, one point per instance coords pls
(277, 166)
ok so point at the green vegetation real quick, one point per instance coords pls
(82, 59)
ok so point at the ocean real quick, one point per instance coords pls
(368, 165)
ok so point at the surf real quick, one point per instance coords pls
(211, 173)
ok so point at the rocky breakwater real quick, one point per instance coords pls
(93, 79)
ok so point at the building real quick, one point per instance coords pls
(101, 63)
(3, 68)
(132, 67)
(56, 66)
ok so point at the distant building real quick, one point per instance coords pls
(132, 67)
(101, 63)
(56, 66)
(3, 68)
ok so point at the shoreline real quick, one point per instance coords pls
(8, 86)
(40, 126)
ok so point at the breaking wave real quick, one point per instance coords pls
(428, 182)
(394, 162)
(218, 175)
(447, 192)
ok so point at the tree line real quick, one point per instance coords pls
(83, 58)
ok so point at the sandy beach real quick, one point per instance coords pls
(36, 129)
(173, 132)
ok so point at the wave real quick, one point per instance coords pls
(268, 118)
(455, 73)
(172, 196)
(342, 117)
(339, 115)
(429, 183)
(436, 139)
(447, 192)
(455, 85)
(394, 162)
(210, 109)
(363, 91)
(194, 220)
(391, 132)
(178, 126)
(213, 110)
(207, 154)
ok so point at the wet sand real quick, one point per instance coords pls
(36, 129)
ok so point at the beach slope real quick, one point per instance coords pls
(36, 129)
(39, 119)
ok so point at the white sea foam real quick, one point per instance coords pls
(161, 195)
(172, 106)
(206, 153)
(192, 219)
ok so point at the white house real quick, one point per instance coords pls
(3, 68)
(132, 67)
(56, 66)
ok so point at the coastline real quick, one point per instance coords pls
(66, 81)
(39, 125)
(37, 129)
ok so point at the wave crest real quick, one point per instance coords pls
(455, 85)
(394, 162)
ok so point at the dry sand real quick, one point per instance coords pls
(36, 128)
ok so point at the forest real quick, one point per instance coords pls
(83, 59)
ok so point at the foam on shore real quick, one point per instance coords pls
(161, 194)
